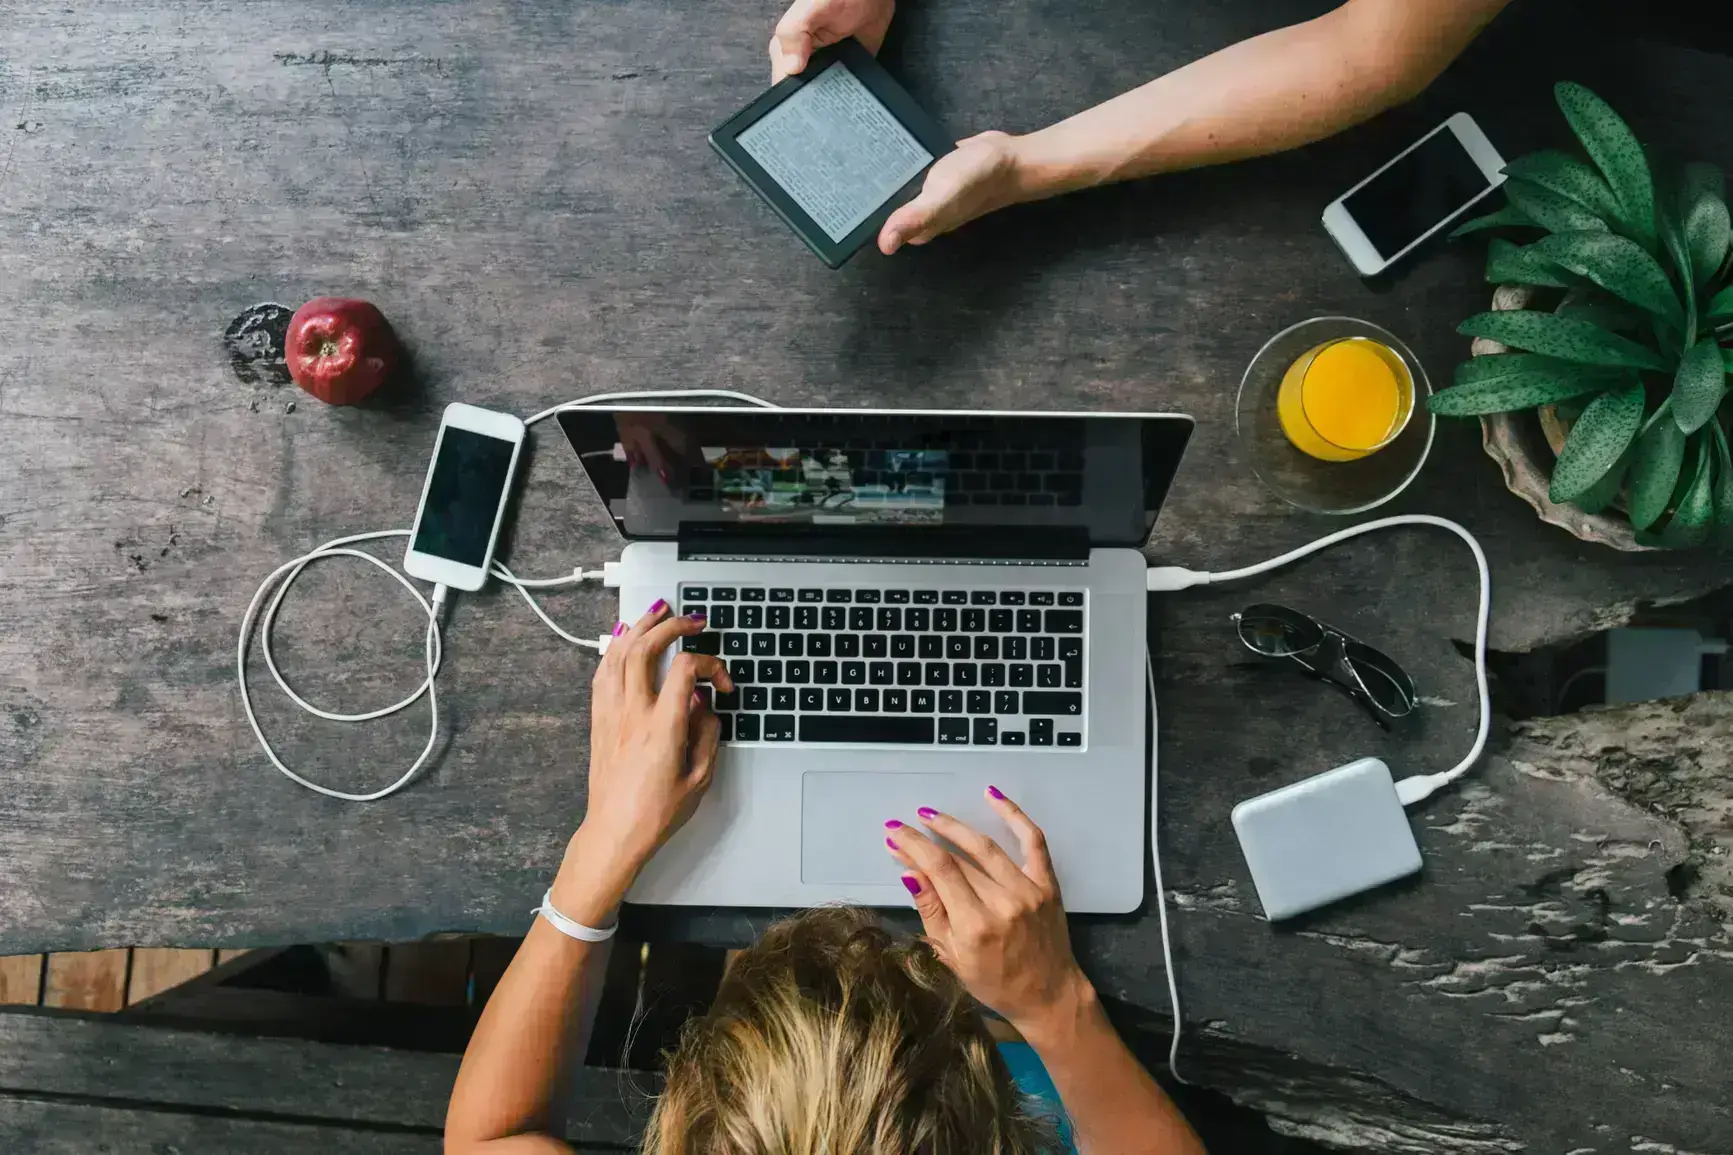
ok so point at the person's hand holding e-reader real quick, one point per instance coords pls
(833, 149)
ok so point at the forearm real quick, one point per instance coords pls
(518, 1056)
(1114, 1106)
(1273, 92)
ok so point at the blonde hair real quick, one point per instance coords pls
(831, 1036)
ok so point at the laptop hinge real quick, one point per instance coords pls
(905, 544)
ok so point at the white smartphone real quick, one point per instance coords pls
(1423, 189)
(463, 499)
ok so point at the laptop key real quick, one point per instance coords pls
(999, 621)
(866, 701)
(896, 701)
(1011, 738)
(776, 618)
(834, 596)
(902, 645)
(838, 700)
(806, 617)
(916, 619)
(877, 645)
(811, 699)
(1028, 621)
(1070, 598)
(945, 621)
(950, 701)
(1022, 675)
(848, 645)
(1041, 649)
(790, 645)
(931, 646)
(974, 620)
(922, 701)
(770, 672)
(1070, 738)
(695, 593)
(986, 732)
(1010, 597)
(824, 673)
(1047, 676)
(741, 672)
(702, 644)
(1005, 702)
(890, 619)
(871, 596)
(1070, 648)
(897, 597)
(752, 617)
(755, 698)
(904, 730)
(908, 673)
(926, 597)
(880, 674)
(953, 731)
(752, 594)
(938, 674)
(1041, 598)
(1060, 703)
(723, 594)
(746, 727)
(1040, 731)
(782, 698)
(854, 673)
(725, 703)
(957, 646)
(860, 619)
(1016, 649)
(1074, 673)
(800, 673)
(992, 673)
(727, 721)
(955, 597)
(781, 595)
(980, 702)
(987, 649)
(818, 645)
(984, 598)
(779, 728)
(834, 618)
(763, 645)
(811, 595)
(965, 674)
(1064, 621)
(721, 618)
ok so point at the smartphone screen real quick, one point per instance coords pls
(1407, 200)
(469, 478)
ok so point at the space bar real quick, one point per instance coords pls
(858, 728)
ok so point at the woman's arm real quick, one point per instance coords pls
(651, 757)
(1001, 927)
(1273, 92)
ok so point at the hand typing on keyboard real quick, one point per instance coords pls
(927, 667)
(651, 752)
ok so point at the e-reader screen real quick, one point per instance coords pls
(836, 150)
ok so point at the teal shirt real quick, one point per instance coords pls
(1033, 1080)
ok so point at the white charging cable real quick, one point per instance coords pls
(284, 576)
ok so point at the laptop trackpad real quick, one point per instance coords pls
(842, 820)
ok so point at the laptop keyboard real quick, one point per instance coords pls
(871, 665)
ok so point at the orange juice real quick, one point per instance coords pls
(1345, 399)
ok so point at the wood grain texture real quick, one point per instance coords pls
(21, 979)
(86, 980)
(157, 969)
(119, 1061)
(525, 190)
(78, 1128)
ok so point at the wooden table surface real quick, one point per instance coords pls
(525, 189)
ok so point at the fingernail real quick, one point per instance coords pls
(913, 887)
(696, 616)
(658, 606)
(927, 813)
(892, 845)
(619, 628)
(893, 823)
(993, 792)
(696, 700)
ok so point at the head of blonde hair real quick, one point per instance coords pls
(831, 1036)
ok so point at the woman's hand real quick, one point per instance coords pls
(983, 174)
(811, 24)
(651, 757)
(999, 926)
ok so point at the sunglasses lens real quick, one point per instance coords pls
(1388, 685)
(1278, 632)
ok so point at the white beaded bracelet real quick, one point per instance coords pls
(570, 927)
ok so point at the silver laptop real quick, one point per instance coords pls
(912, 605)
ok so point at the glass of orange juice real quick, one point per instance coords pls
(1345, 399)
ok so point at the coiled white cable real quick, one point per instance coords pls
(284, 576)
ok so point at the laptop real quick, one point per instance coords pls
(912, 605)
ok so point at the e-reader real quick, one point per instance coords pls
(833, 149)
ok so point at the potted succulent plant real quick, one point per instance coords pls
(1620, 282)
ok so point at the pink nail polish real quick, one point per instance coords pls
(696, 616)
(927, 813)
(914, 888)
(658, 606)
(993, 791)
(619, 628)
(892, 845)
(893, 823)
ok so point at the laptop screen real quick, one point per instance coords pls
(854, 476)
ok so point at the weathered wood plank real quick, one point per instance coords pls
(76, 1129)
(86, 980)
(156, 969)
(21, 979)
(120, 1060)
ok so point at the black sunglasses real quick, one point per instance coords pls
(1326, 653)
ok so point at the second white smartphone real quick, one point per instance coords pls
(463, 500)
(1424, 188)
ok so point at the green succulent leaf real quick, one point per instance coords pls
(1563, 337)
(1550, 210)
(1614, 148)
(1511, 264)
(1597, 442)
(1655, 469)
(1704, 222)
(1723, 483)
(1694, 515)
(1508, 217)
(1599, 309)
(1601, 494)
(1568, 177)
(1618, 265)
(1503, 382)
(1698, 386)
(1720, 305)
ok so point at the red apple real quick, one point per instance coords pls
(340, 349)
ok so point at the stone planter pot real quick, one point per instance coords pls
(1525, 445)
